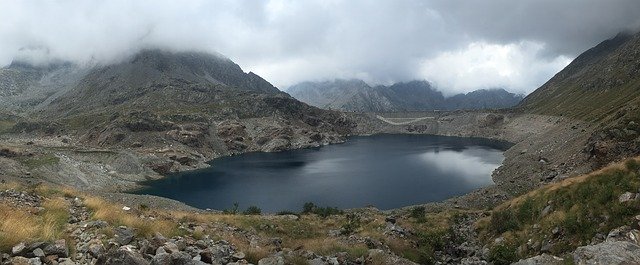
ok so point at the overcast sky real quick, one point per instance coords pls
(460, 45)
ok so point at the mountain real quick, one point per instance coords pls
(602, 87)
(195, 104)
(598, 84)
(356, 95)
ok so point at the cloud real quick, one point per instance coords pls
(288, 41)
(516, 66)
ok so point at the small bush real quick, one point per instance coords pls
(311, 208)
(418, 213)
(502, 254)
(287, 213)
(352, 225)
(252, 210)
(233, 210)
(502, 221)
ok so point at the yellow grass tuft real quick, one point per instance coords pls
(103, 210)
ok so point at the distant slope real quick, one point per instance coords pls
(597, 84)
(356, 95)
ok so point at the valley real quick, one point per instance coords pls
(75, 141)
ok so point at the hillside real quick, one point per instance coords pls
(597, 85)
(356, 95)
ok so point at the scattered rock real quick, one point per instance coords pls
(38, 252)
(124, 235)
(277, 260)
(18, 249)
(58, 248)
(123, 255)
(608, 252)
(627, 196)
(541, 260)
(20, 261)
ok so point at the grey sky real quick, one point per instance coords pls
(461, 45)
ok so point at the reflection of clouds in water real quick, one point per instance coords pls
(471, 166)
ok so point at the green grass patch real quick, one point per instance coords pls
(39, 161)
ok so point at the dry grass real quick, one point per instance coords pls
(20, 225)
(113, 214)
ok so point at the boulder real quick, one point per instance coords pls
(627, 196)
(124, 235)
(18, 249)
(161, 259)
(19, 261)
(608, 252)
(125, 255)
(38, 252)
(58, 248)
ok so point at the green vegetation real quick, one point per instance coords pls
(576, 209)
(252, 210)
(39, 160)
(503, 254)
(311, 208)
(6, 125)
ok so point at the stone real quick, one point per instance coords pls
(547, 210)
(121, 256)
(66, 261)
(608, 252)
(277, 260)
(161, 259)
(627, 196)
(390, 219)
(171, 247)
(546, 246)
(541, 260)
(124, 235)
(19, 261)
(96, 249)
(38, 252)
(181, 258)
(555, 231)
(198, 230)
(125, 208)
(58, 248)
(206, 257)
(238, 256)
(35, 261)
(158, 239)
(18, 249)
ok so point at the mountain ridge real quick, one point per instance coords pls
(416, 95)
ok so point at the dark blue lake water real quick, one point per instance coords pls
(386, 171)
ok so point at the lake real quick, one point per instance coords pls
(386, 171)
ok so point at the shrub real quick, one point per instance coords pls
(418, 213)
(353, 224)
(502, 254)
(233, 210)
(311, 208)
(252, 210)
(502, 221)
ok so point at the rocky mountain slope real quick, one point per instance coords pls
(356, 95)
(600, 86)
(170, 111)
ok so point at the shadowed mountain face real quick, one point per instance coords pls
(356, 95)
(158, 98)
